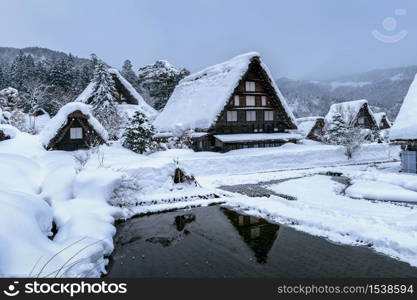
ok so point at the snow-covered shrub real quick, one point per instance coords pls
(338, 133)
(353, 139)
(139, 134)
(181, 176)
(179, 140)
(81, 158)
(127, 189)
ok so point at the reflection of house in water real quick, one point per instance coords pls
(257, 233)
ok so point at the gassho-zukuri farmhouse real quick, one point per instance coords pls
(232, 105)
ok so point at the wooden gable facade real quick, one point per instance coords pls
(76, 134)
(317, 131)
(254, 107)
(364, 119)
(384, 123)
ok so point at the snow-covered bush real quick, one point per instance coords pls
(338, 133)
(139, 134)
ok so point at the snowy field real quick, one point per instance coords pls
(58, 208)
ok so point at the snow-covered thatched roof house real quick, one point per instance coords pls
(238, 96)
(72, 128)
(126, 95)
(354, 113)
(311, 127)
(405, 124)
(404, 130)
(382, 120)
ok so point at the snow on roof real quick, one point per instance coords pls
(405, 125)
(9, 130)
(60, 120)
(379, 116)
(145, 107)
(148, 110)
(348, 110)
(247, 137)
(199, 98)
(306, 124)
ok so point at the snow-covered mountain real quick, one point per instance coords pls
(385, 90)
(8, 54)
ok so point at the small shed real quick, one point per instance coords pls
(311, 127)
(73, 128)
(404, 130)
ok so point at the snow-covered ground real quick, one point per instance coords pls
(82, 193)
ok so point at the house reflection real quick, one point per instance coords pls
(257, 233)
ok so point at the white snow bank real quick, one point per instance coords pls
(320, 210)
(61, 118)
(9, 130)
(25, 223)
(287, 156)
(405, 125)
(376, 190)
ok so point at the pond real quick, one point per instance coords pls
(215, 241)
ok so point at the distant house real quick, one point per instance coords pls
(235, 104)
(311, 127)
(404, 130)
(382, 120)
(73, 128)
(125, 95)
(354, 113)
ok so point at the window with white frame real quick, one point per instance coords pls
(237, 100)
(250, 100)
(250, 86)
(76, 133)
(263, 100)
(232, 116)
(268, 115)
(361, 120)
(251, 115)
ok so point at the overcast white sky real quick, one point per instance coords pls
(297, 38)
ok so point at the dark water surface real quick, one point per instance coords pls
(216, 242)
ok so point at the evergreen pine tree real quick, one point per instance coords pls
(139, 134)
(103, 101)
(336, 130)
(128, 73)
(157, 82)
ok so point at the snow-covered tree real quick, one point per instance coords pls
(103, 102)
(353, 139)
(128, 73)
(335, 131)
(338, 133)
(139, 134)
(157, 82)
